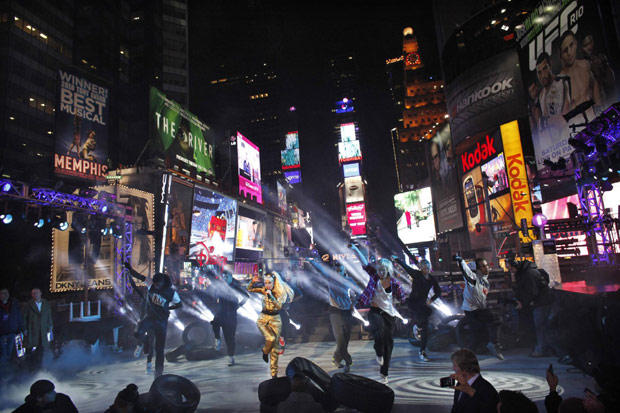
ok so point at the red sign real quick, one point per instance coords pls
(205, 256)
(479, 155)
(356, 215)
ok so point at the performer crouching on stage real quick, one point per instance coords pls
(380, 293)
(160, 299)
(275, 294)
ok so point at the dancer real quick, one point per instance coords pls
(418, 301)
(77, 139)
(226, 316)
(89, 146)
(340, 288)
(275, 293)
(379, 294)
(160, 299)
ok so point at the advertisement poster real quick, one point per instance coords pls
(415, 222)
(444, 181)
(76, 256)
(486, 95)
(249, 169)
(214, 220)
(349, 151)
(356, 216)
(180, 135)
(250, 232)
(290, 155)
(293, 177)
(475, 212)
(81, 121)
(347, 132)
(566, 63)
(179, 224)
(495, 169)
(354, 190)
(282, 205)
(351, 169)
(143, 220)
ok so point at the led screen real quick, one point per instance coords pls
(415, 221)
(356, 216)
(250, 233)
(293, 177)
(351, 169)
(345, 105)
(354, 189)
(281, 197)
(213, 224)
(349, 151)
(347, 132)
(249, 169)
(496, 171)
(290, 155)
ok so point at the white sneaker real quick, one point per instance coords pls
(138, 351)
(384, 379)
(218, 344)
(149, 367)
(231, 360)
(423, 356)
(380, 360)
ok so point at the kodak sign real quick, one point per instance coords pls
(483, 151)
(517, 175)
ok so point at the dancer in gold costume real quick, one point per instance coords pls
(275, 294)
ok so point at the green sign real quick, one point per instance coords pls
(179, 134)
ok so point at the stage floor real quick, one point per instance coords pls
(93, 381)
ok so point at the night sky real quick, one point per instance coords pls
(301, 37)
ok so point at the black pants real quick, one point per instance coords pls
(382, 327)
(228, 323)
(341, 321)
(484, 319)
(158, 329)
(420, 314)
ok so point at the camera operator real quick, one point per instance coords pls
(475, 302)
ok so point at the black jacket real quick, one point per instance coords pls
(529, 290)
(420, 286)
(62, 404)
(14, 322)
(484, 401)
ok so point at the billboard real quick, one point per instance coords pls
(180, 219)
(250, 233)
(349, 151)
(344, 106)
(564, 58)
(351, 169)
(281, 197)
(180, 135)
(214, 220)
(354, 189)
(248, 156)
(444, 181)
(415, 221)
(495, 169)
(81, 122)
(293, 177)
(486, 95)
(356, 216)
(347, 132)
(290, 155)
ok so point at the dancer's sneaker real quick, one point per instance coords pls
(138, 351)
(218, 344)
(337, 364)
(494, 350)
(347, 368)
(423, 356)
(265, 357)
(380, 360)
(149, 368)
(384, 379)
(231, 360)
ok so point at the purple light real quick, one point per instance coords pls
(539, 220)
(6, 187)
(292, 109)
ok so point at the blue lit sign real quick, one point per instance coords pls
(351, 169)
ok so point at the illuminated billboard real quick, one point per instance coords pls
(281, 197)
(356, 216)
(351, 169)
(293, 177)
(415, 222)
(213, 225)
(354, 189)
(81, 122)
(249, 169)
(250, 232)
(495, 169)
(290, 155)
(347, 132)
(345, 105)
(180, 135)
(349, 151)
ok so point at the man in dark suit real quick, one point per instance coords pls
(472, 394)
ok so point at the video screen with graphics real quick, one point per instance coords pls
(356, 216)
(250, 232)
(290, 155)
(249, 169)
(354, 189)
(496, 171)
(351, 169)
(293, 177)
(281, 197)
(349, 151)
(415, 221)
(347, 132)
(213, 224)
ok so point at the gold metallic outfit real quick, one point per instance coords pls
(270, 326)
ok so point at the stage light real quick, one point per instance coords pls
(78, 222)
(6, 187)
(6, 218)
(104, 231)
(104, 209)
(580, 146)
(63, 226)
(39, 223)
(59, 221)
(539, 220)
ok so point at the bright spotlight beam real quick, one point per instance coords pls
(357, 315)
(297, 326)
(442, 307)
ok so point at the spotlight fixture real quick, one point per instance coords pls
(59, 221)
(580, 146)
(6, 218)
